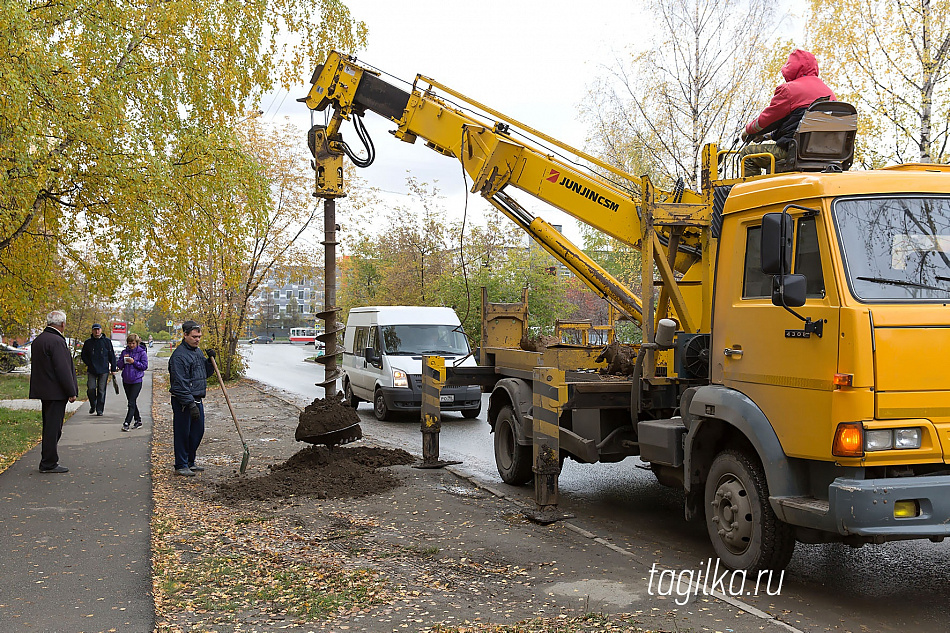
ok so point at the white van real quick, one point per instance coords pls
(382, 358)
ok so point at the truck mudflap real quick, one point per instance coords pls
(867, 507)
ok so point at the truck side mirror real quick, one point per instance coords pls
(788, 290)
(776, 244)
(370, 355)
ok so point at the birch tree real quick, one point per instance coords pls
(214, 247)
(103, 101)
(890, 59)
(699, 80)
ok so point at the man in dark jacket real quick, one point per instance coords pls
(802, 87)
(99, 357)
(188, 372)
(53, 380)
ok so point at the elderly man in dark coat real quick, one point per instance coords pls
(53, 380)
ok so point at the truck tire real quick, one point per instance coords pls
(512, 460)
(471, 414)
(743, 529)
(380, 410)
(348, 395)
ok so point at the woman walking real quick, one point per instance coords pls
(134, 361)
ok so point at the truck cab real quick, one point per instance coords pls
(849, 420)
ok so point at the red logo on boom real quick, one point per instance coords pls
(553, 176)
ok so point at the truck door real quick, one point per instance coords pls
(761, 350)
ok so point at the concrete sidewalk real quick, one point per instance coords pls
(74, 547)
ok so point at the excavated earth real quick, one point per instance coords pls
(320, 472)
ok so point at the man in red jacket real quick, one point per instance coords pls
(802, 87)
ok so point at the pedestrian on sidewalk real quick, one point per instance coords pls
(188, 372)
(134, 361)
(99, 357)
(53, 381)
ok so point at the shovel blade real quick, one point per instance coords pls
(245, 459)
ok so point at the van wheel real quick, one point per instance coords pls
(348, 395)
(471, 414)
(512, 460)
(743, 529)
(379, 406)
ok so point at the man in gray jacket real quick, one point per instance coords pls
(53, 380)
(188, 370)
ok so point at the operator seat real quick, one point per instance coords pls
(825, 137)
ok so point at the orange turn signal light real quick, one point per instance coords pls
(849, 440)
(843, 380)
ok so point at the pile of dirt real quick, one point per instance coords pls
(621, 359)
(322, 473)
(325, 415)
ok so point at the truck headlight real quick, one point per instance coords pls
(907, 438)
(886, 439)
(878, 439)
(400, 378)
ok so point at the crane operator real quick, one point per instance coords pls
(802, 87)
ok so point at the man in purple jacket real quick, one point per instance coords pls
(53, 380)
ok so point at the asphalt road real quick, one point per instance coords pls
(892, 587)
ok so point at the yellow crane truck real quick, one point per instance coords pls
(803, 395)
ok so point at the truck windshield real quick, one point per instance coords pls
(896, 248)
(415, 340)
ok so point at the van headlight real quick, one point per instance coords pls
(400, 378)
(887, 439)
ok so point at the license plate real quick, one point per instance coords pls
(448, 398)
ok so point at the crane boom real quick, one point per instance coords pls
(495, 152)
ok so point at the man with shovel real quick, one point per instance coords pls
(189, 370)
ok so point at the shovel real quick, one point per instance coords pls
(247, 453)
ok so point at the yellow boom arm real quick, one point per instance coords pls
(485, 144)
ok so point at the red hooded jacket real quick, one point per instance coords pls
(802, 86)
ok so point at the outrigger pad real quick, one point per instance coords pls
(547, 515)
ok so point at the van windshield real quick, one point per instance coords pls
(416, 340)
(896, 247)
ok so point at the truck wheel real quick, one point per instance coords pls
(512, 460)
(743, 529)
(471, 414)
(379, 406)
(348, 395)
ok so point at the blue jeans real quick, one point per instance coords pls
(188, 434)
(96, 390)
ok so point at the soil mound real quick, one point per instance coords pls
(319, 472)
(325, 415)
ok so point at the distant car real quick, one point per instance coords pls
(260, 339)
(12, 357)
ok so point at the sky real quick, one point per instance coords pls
(531, 60)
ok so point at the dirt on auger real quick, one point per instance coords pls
(328, 421)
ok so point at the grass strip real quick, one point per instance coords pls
(14, 386)
(19, 432)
